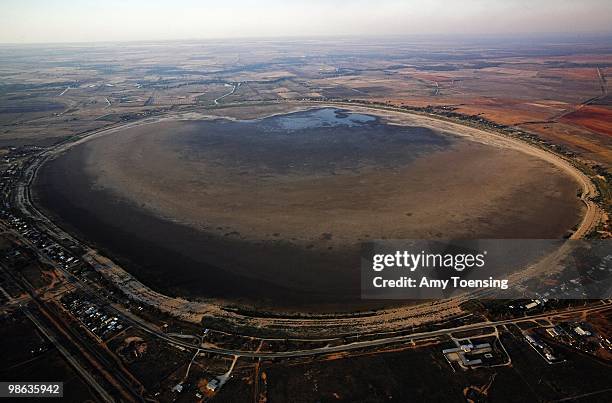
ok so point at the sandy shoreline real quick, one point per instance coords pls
(194, 311)
(502, 198)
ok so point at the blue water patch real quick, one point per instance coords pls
(317, 118)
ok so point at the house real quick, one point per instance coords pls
(580, 331)
(213, 385)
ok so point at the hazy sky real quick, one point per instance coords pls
(113, 20)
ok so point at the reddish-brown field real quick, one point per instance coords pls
(596, 118)
(586, 143)
(584, 73)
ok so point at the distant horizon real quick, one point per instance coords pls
(473, 37)
(113, 21)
